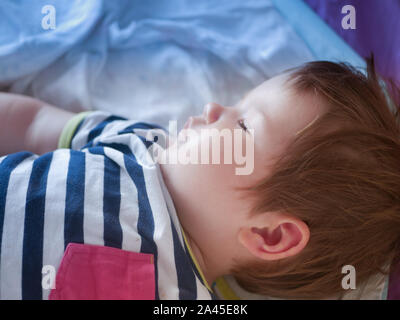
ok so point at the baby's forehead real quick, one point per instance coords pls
(280, 94)
(279, 81)
(287, 111)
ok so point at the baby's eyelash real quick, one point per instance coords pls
(242, 125)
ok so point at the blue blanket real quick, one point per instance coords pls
(155, 60)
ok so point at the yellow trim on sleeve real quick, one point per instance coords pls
(195, 262)
(69, 130)
(225, 290)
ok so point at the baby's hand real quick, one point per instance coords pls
(29, 124)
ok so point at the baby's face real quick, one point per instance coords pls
(265, 120)
(269, 116)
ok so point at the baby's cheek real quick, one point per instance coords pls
(209, 159)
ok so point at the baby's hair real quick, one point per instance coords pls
(341, 176)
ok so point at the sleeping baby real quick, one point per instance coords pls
(89, 211)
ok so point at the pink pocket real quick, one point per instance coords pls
(89, 272)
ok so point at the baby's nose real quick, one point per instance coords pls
(212, 111)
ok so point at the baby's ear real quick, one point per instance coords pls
(280, 237)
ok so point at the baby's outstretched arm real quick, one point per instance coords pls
(29, 124)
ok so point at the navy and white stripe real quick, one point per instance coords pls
(102, 191)
(32, 248)
(13, 229)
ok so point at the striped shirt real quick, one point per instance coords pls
(100, 190)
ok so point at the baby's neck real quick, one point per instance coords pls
(199, 254)
(199, 257)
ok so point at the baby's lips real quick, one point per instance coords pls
(197, 120)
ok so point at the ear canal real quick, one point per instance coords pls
(271, 238)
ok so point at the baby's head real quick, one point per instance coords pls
(324, 192)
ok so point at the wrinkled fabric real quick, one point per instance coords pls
(151, 60)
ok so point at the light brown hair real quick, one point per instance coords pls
(341, 175)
